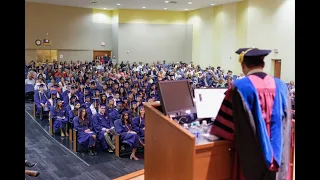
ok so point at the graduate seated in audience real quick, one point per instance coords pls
(85, 136)
(67, 96)
(53, 99)
(72, 113)
(110, 106)
(104, 128)
(59, 117)
(124, 128)
(134, 109)
(103, 99)
(138, 122)
(40, 99)
(91, 110)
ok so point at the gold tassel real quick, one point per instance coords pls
(241, 57)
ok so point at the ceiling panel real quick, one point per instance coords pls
(177, 5)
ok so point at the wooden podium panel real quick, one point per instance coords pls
(169, 148)
(213, 161)
(171, 152)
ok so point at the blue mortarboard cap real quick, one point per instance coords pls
(97, 90)
(141, 106)
(87, 96)
(55, 85)
(59, 100)
(77, 102)
(136, 82)
(251, 52)
(115, 82)
(110, 98)
(86, 88)
(103, 105)
(126, 82)
(41, 85)
(152, 84)
(109, 88)
(125, 98)
(53, 92)
(125, 112)
(119, 102)
(129, 92)
(73, 97)
(134, 102)
(140, 91)
(72, 87)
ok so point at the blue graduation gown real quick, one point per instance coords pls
(133, 114)
(49, 105)
(114, 115)
(109, 110)
(59, 117)
(138, 126)
(101, 121)
(65, 94)
(71, 116)
(122, 129)
(84, 139)
(40, 98)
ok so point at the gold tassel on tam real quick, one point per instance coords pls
(241, 57)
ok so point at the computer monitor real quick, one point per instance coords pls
(175, 96)
(208, 101)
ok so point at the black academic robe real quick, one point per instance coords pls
(235, 122)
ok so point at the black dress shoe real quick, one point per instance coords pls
(29, 164)
(91, 152)
(37, 174)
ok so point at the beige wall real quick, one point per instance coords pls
(69, 28)
(262, 24)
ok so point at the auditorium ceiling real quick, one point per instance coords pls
(172, 5)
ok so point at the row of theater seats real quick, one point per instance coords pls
(73, 137)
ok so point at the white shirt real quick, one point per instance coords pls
(30, 81)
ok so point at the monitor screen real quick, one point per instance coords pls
(175, 96)
(208, 101)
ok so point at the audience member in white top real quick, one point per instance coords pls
(42, 74)
(30, 80)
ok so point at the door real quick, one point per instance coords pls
(101, 53)
(277, 68)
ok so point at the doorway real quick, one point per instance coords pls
(101, 53)
(44, 56)
(277, 68)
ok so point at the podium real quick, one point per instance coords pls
(172, 154)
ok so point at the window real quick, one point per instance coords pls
(47, 55)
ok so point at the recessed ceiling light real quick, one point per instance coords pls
(143, 7)
(186, 9)
(118, 4)
(104, 8)
(212, 4)
(166, 1)
(189, 2)
(164, 8)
